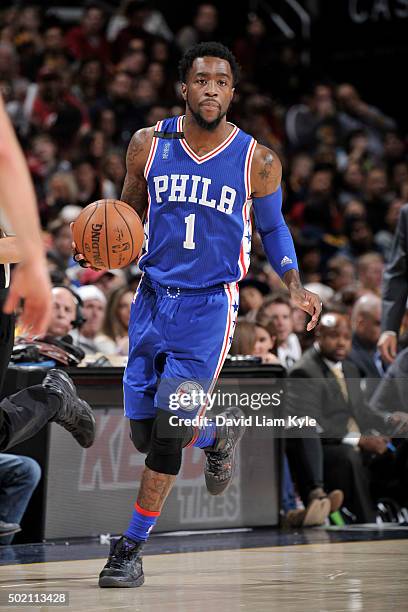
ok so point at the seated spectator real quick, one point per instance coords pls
(391, 395)
(203, 28)
(340, 273)
(89, 336)
(62, 243)
(253, 339)
(55, 109)
(376, 197)
(136, 14)
(370, 270)
(325, 386)
(91, 187)
(88, 40)
(117, 316)
(278, 309)
(251, 295)
(56, 344)
(352, 183)
(118, 99)
(360, 238)
(19, 476)
(366, 326)
(62, 192)
(356, 114)
(384, 238)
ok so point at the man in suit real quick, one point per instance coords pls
(325, 386)
(365, 322)
(394, 290)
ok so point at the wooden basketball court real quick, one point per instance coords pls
(317, 577)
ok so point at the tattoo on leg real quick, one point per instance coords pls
(154, 489)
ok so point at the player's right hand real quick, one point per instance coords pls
(387, 345)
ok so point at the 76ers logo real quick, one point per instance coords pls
(189, 395)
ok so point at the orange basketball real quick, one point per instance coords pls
(109, 234)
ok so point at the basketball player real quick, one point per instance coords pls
(17, 200)
(26, 412)
(192, 179)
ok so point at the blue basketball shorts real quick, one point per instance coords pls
(178, 341)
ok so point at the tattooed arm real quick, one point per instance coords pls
(266, 172)
(266, 175)
(134, 190)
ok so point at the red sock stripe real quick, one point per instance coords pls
(145, 512)
(194, 438)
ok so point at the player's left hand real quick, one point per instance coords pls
(309, 302)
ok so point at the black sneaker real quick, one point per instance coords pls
(75, 415)
(124, 566)
(219, 465)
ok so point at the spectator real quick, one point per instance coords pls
(91, 187)
(357, 114)
(279, 310)
(87, 40)
(254, 339)
(62, 243)
(376, 197)
(136, 14)
(89, 336)
(90, 82)
(251, 296)
(360, 238)
(384, 238)
(340, 273)
(352, 183)
(303, 120)
(203, 29)
(325, 386)
(366, 325)
(119, 101)
(117, 316)
(64, 312)
(19, 477)
(370, 269)
(55, 109)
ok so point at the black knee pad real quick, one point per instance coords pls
(166, 444)
(141, 434)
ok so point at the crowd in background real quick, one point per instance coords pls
(76, 91)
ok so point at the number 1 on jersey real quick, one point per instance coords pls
(189, 241)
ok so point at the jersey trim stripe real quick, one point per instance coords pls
(221, 359)
(152, 152)
(211, 154)
(244, 254)
(248, 166)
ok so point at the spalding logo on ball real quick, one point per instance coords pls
(109, 233)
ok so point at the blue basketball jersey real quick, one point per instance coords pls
(198, 225)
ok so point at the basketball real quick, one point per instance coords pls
(109, 234)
